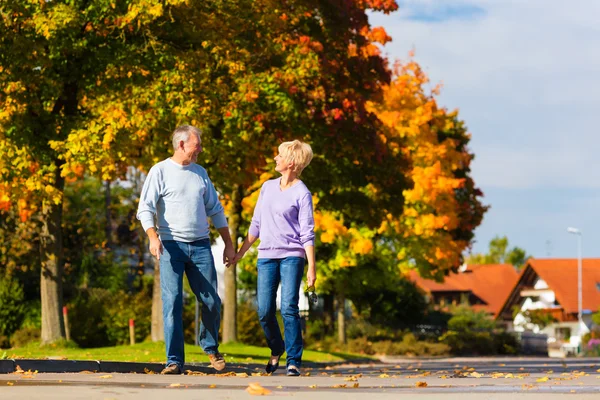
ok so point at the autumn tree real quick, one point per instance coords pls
(499, 252)
(443, 207)
(94, 87)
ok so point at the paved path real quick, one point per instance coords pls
(457, 378)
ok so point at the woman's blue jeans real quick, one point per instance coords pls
(288, 271)
(196, 260)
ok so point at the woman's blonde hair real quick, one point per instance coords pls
(298, 152)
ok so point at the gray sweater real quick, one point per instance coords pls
(183, 198)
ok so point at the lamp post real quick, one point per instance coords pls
(582, 326)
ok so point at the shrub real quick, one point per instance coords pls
(24, 336)
(87, 318)
(12, 306)
(249, 329)
(473, 332)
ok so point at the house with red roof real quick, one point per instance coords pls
(484, 287)
(550, 286)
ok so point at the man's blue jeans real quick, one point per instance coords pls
(288, 271)
(196, 260)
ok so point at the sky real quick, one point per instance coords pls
(525, 76)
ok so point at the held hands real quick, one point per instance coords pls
(239, 256)
(229, 256)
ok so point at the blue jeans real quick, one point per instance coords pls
(196, 260)
(288, 271)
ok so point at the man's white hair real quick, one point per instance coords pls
(182, 133)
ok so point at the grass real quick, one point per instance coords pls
(155, 352)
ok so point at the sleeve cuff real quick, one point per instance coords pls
(219, 220)
(147, 223)
(253, 231)
(311, 242)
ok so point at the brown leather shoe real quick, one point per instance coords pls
(217, 361)
(171, 369)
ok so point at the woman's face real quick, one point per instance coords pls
(281, 165)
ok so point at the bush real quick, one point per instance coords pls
(87, 318)
(249, 329)
(12, 306)
(24, 336)
(473, 332)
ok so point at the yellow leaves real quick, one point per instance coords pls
(543, 379)
(421, 384)
(105, 377)
(361, 245)
(256, 389)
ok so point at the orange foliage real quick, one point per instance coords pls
(432, 210)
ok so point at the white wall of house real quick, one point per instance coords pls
(566, 332)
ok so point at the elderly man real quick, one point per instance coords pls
(181, 196)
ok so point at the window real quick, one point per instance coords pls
(562, 333)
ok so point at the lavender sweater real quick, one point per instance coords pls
(283, 220)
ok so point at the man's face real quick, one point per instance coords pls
(192, 148)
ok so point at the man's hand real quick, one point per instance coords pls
(156, 247)
(311, 276)
(229, 256)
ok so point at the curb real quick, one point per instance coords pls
(7, 366)
(65, 366)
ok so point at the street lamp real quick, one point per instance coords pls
(582, 327)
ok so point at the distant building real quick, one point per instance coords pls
(484, 287)
(550, 286)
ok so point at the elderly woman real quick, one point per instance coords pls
(283, 220)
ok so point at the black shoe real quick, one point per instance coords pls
(171, 369)
(292, 370)
(270, 368)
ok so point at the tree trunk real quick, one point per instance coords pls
(341, 317)
(107, 203)
(230, 303)
(157, 332)
(51, 291)
(328, 313)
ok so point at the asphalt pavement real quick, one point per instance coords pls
(450, 378)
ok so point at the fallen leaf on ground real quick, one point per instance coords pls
(86, 372)
(259, 374)
(150, 372)
(27, 377)
(476, 375)
(105, 376)
(544, 379)
(355, 385)
(509, 375)
(10, 383)
(256, 389)
(351, 379)
(194, 373)
(279, 387)
(340, 385)
(502, 365)
(313, 386)
(497, 375)
(175, 385)
(212, 386)
(421, 384)
(307, 374)
(384, 376)
(19, 370)
(242, 375)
